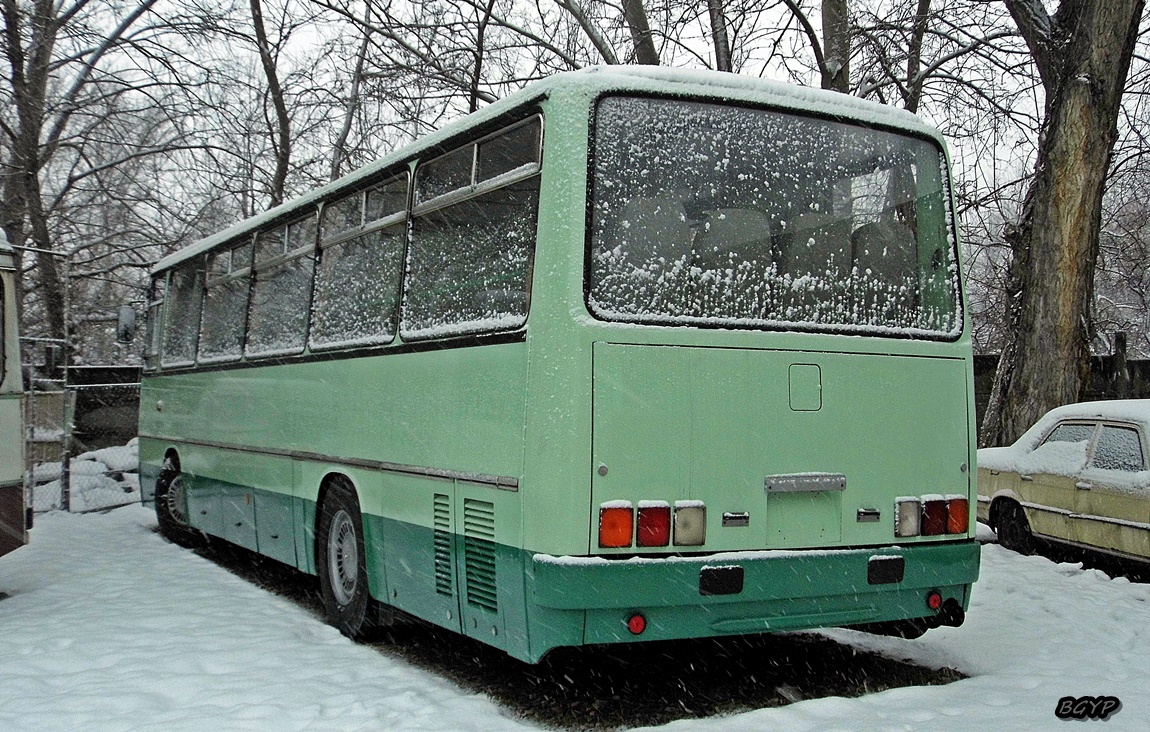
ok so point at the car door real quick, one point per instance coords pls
(1112, 501)
(1048, 475)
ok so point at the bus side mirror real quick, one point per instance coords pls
(126, 324)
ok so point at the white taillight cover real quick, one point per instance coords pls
(907, 516)
(690, 523)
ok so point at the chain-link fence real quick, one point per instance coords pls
(81, 448)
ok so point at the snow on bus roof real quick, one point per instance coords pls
(591, 80)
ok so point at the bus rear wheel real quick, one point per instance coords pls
(172, 508)
(341, 564)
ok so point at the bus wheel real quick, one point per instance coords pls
(1014, 529)
(341, 565)
(172, 508)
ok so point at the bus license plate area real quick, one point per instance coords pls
(720, 580)
(885, 570)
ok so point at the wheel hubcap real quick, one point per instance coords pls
(343, 557)
(175, 501)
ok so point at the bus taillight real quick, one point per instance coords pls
(690, 523)
(957, 515)
(654, 524)
(616, 522)
(907, 516)
(934, 515)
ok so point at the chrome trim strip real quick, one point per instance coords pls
(805, 482)
(1047, 509)
(1093, 548)
(501, 482)
(1114, 521)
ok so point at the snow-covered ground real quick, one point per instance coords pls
(99, 479)
(109, 627)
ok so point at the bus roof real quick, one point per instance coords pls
(594, 80)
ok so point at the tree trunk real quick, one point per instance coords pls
(836, 46)
(1083, 55)
(636, 18)
(281, 138)
(719, 34)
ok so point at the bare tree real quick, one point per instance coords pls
(1082, 54)
(281, 144)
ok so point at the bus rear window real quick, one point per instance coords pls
(711, 215)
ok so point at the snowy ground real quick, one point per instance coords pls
(99, 479)
(109, 627)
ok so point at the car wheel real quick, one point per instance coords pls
(172, 508)
(341, 564)
(1014, 529)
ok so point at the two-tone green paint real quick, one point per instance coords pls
(672, 413)
(566, 601)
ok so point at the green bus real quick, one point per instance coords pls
(13, 514)
(632, 354)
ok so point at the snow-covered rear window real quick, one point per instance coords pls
(705, 214)
(1118, 448)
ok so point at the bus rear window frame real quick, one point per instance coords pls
(766, 326)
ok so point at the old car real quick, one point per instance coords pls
(1078, 477)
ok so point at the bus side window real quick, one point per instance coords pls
(468, 263)
(182, 313)
(281, 290)
(358, 278)
(473, 236)
(154, 331)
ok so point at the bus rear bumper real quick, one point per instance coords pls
(756, 592)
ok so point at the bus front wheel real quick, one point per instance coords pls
(340, 565)
(172, 508)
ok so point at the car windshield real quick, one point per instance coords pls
(707, 214)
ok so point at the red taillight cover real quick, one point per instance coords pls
(654, 525)
(934, 516)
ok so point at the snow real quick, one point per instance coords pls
(99, 479)
(109, 627)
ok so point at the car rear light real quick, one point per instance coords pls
(934, 515)
(654, 524)
(690, 523)
(957, 515)
(907, 516)
(616, 524)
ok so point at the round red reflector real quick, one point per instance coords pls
(934, 600)
(636, 624)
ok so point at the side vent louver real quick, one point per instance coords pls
(444, 581)
(479, 553)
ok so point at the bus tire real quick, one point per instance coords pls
(171, 502)
(341, 563)
(1013, 528)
